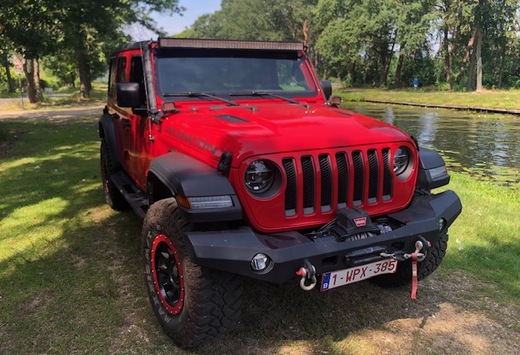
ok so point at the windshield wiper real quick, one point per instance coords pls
(264, 93)
(201, 94)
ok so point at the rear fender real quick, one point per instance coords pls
(107, 132)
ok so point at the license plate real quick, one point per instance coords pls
(359, 273)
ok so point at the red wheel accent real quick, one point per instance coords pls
(167, 274)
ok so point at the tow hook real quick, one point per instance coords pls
(308, 274)
(421, 250)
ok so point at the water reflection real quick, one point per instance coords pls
(486, 146)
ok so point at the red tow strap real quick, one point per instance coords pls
(414, 276)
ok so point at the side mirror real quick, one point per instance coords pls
(128, 95)
(327, 88)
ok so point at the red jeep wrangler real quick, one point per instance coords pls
(240, 166)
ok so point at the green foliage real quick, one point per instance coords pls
(383, 43)
(75, 36)
(362, 42)
(256, 19)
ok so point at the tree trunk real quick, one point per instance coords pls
(390, 56)
(471, 71)
(85, 84)
(448, 67)
(32, 75)
(502, 63)
(352, 75)
(479, 60)
(10, 81)
(399, 68)
(470, 45)
(503, 50)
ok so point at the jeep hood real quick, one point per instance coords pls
(249, 130)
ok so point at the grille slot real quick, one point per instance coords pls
(291, 193)
(373, 182)
(359, 178)
(387, 180)
(309, 184)
(326, 182)
(342, 180)
(342, 164)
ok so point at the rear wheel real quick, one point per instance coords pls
(192, 303)
(403, 275)
(112, 195)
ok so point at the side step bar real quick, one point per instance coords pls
(135, 197)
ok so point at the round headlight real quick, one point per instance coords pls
(259, 176)
(401, 160)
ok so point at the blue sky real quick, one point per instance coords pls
(176, 23)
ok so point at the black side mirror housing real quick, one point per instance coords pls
(128, 95)
(327, 88)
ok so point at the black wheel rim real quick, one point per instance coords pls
(167, 274)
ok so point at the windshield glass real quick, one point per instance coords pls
(232, 73)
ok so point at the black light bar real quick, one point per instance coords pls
(229, 44)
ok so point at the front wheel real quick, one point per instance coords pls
(192, 303)
(403, 275)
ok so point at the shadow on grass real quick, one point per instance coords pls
(69, 266)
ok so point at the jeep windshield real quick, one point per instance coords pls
(226, 73)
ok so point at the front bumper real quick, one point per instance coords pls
(232, 250)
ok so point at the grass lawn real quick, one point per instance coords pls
(507, 99)
(71, 276)
(62, 99)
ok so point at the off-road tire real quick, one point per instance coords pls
(403, 275)
(193, 304)
(112, 195)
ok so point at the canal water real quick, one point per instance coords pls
(486, 146)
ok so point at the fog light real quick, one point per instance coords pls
(260, 262)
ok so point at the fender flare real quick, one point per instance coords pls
(188, 177)
(432, 173)
(107, 132)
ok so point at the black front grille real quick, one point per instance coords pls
(341, 180)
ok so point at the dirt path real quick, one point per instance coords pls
(448, 317)
(52, 115)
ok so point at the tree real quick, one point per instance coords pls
(31, 25)
(6, 53)
(362, 31)
(456, 18)
(90, 29)
(414, 22)
(256, 19)
(85, 28)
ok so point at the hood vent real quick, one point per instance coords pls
(231, 118)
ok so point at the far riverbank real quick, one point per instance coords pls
(495, 101)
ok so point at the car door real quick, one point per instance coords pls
(119, 115)
(138, 135)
